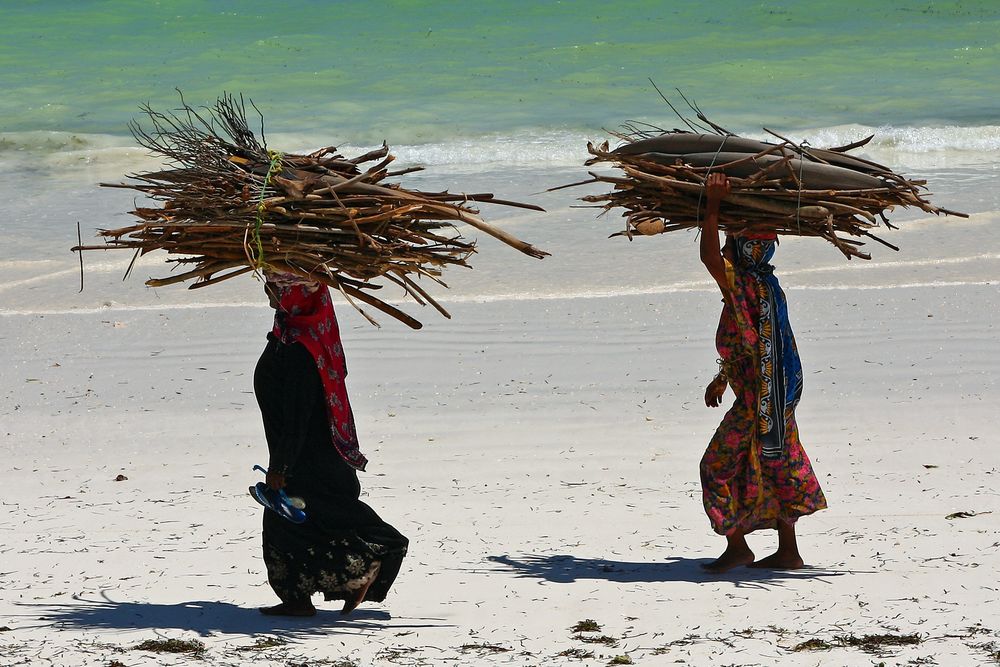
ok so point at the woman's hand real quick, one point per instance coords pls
(717, 188)
(715, 391)
(275, 480)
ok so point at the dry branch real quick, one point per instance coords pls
(230, 205)
(782, 188)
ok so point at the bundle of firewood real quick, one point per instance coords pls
(232, 206)
(781, 187)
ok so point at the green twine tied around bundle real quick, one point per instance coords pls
(272, 168)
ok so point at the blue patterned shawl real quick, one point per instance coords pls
(780, 368)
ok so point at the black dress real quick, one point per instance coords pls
(342, 539)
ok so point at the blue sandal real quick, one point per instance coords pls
(277, 501)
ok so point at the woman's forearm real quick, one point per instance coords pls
(711, 252)
(716, 187)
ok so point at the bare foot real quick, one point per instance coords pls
(357, 596)
(780, 561)
(290, 609)
(730, 558)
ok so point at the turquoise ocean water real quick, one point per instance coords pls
(498, 95)
(412, 71)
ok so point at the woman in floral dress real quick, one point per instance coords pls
(343, 549)
(755, 473)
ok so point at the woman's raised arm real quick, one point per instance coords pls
(716, 188)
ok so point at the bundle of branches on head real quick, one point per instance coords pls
(232, 206)
(779, 187)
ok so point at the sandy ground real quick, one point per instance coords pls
(542, 457)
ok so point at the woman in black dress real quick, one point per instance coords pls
(343, 549)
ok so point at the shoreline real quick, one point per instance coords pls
(695, 287)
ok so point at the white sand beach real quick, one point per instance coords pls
(541, 448)
(542, 457)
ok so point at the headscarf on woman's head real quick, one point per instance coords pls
(283, 279)
(305, 315)
(758, 236)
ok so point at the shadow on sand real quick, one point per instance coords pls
(205, 618)
(568, 569)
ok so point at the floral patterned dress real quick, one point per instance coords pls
(755, 472)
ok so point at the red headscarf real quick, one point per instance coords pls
(757, 236)
(306, 316)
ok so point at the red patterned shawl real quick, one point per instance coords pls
(306, 316)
